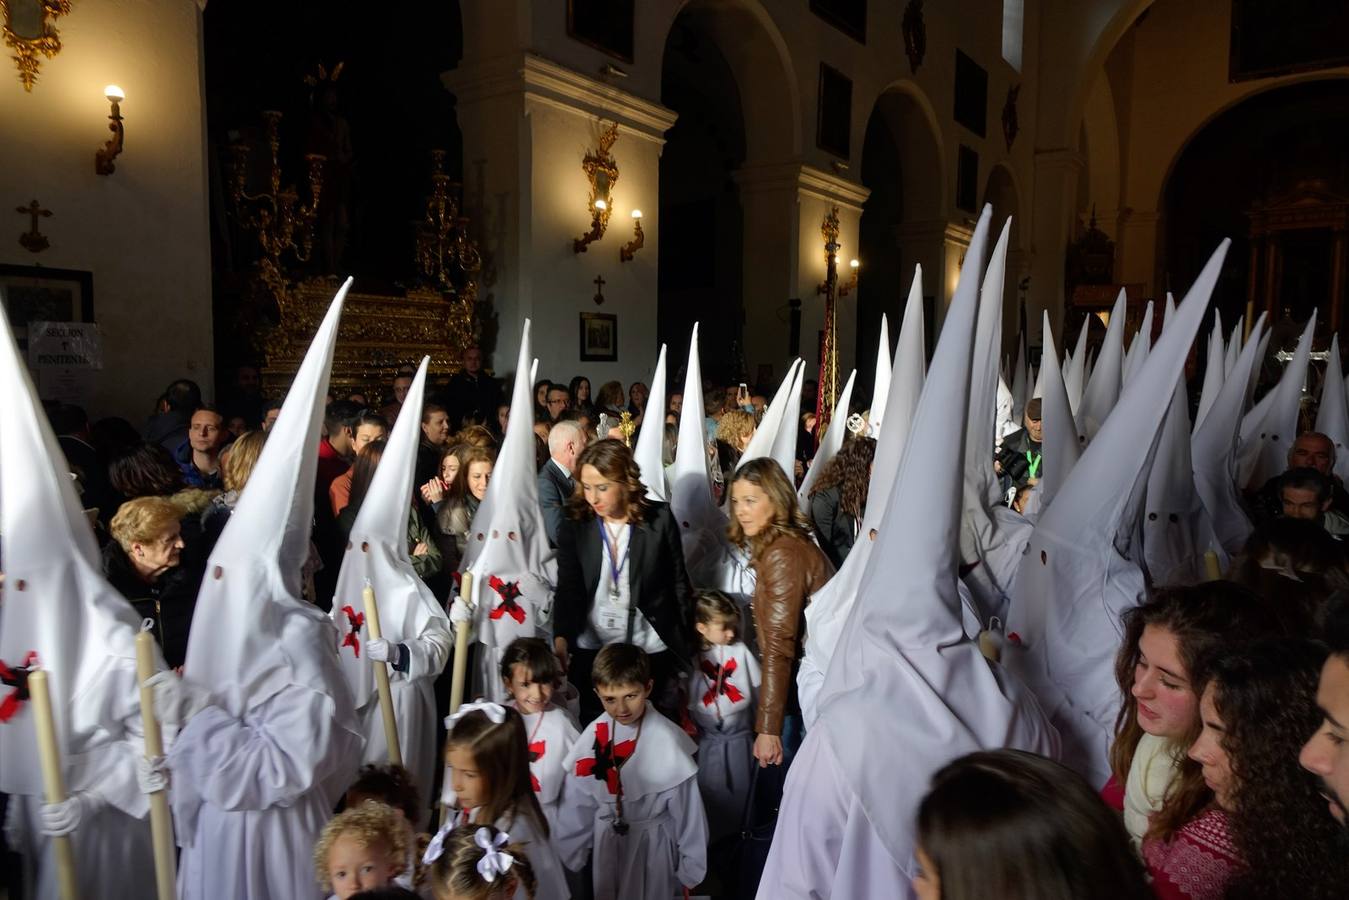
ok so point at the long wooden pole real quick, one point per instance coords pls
(461, 646)
(39, 695)
(382, 679)
(161, 822)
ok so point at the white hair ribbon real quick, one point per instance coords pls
(495, 712)
(495, 861)
(437, 845)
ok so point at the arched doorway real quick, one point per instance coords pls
(701, 220)
(1284, 145)
(721, 256)
(901, 221)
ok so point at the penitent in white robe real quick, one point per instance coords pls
(665, 848)
(551, 735)
(722, 695)
(116, 836)
(251, 795)
(414, 706)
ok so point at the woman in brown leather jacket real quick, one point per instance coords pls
(789, 568)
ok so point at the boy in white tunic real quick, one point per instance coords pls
(631, 793)
(257, 772)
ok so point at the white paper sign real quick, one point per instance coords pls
(64, 356)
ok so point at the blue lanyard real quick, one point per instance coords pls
(615, 568)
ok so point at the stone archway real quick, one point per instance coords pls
(902, 220)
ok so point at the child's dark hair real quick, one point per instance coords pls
(390, 784)
(456, 869)
(712, 607)
(537, 658)
(392, 892)
(501, 753)
(620, 664)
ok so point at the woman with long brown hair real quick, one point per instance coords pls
(620, 576)
(839, 498)
(462, 497)
(1167, 641)
(426, 558)
(767, 523)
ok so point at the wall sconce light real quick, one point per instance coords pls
(103, 158)
(629, 250)
(602, 172)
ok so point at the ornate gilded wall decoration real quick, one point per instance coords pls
(29, 28)
(1010, 127)
(915, 34)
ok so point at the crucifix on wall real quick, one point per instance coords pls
(32, 239)
(599, 290)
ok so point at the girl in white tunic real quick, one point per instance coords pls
(478, 862)
(530, 670)
(632, 791)
(488, 782)
(721, 703)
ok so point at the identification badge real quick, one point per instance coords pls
(613, 618)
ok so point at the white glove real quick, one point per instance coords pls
(152, 774)
(176, 698)
(377, 649)
(460, 611)
(60, 819)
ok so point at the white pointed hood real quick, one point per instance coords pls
(828, 610)
(881, 383)
(905, 646)
(1214, 450)
(1213, 370)
(1102, 390)
(989, 548)
(56, 603)
(650, 450)
(1081, 569)
(253, 633)
(1332, 417)
(830, 444)
(1075, 366)
(508, 528)
(1234, 345)
(1267, 437)
(377, 554)
(1061, 444)
(779, 422)
(1138, 348)
(1173, 527)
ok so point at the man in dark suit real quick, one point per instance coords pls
(472, 394)
(557, 478)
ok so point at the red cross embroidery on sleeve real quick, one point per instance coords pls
(536, 752)
(15, 677)
(608, 758)
(720, 677)
(508, 590)
(353, 639)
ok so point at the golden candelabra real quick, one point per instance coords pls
(283, 224)
(447, 258)
(827, 395)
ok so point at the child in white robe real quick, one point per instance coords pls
(632, 791)
(488, 783)
(361, 849)
(530, 670)
(721, 703)
(478, 862)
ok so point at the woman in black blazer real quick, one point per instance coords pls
(621, 577)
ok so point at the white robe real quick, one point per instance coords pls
(252, 795)
(551, 735)
(493, 636)
(824, 846)
(726, 745)
(665, 848)
(414, 706)
(116, 836)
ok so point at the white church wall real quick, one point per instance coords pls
(143, 230)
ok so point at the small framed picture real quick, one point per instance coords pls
(834, 122)
(40, 294)
(599, 337)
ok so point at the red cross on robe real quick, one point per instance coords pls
(536, 752)
(720, 675)
(508, 590)
(608, 758)
(353, 639)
